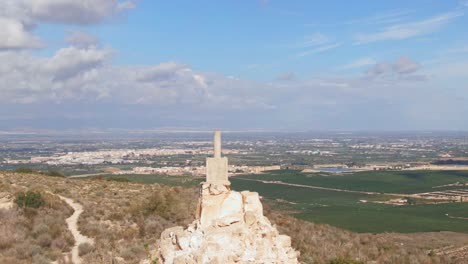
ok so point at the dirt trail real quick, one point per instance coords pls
(457, 217)
(87, 175)
(72, 223)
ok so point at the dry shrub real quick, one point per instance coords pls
(39, 259)
(133, 253)
(172, 204)
(44, 240)
(85, 248)
(26, 250)
(153, 226)
(34, 235)
(7, 233)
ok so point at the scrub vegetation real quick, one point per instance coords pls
(126, 220)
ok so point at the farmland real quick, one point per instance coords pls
(346, 209)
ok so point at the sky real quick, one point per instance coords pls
(246, 64)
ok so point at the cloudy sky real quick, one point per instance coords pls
(251, 64)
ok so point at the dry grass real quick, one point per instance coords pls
(34, 235)
(324, 243)
(124, 218)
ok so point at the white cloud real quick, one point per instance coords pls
(81, 39)
(14, 35)
(19, 17)
(86, 75)
(319, 50)
(83, 82)
(409, 30)
(286, 76)
(70, 62)
(126, 5)
(76, 12)
(69, 74)
(457, 50)
(393, 16)
(403, 67)
(313, 40)
(449, 71)
(358, 64)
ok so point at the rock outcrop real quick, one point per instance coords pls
(230, 228)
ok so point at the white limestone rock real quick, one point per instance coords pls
(230, 228)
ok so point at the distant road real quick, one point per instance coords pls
(87, 175)
(325, 188)
(308, 186)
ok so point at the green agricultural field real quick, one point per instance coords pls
(372, 181)
(343, 209)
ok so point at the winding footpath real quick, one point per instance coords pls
(72, 223)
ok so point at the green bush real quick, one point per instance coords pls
(54, 173)
(29, 199)
(24, 170)
(411, 200)
(118, 179)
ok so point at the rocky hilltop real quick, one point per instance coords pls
(230, 228)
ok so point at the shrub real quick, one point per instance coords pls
(118, 179)
(411, 200)
(40, 229)
(7, 238)
(29, 199)
(54, 173)
(133, 252)
(85, 248)
(24, 170)
(26, 250)
(60, 243)
(39, 259)
(44, 240)
(345, 261)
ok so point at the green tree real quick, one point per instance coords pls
(54, 173)
(29, 199)
(411, 200)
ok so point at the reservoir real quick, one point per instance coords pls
(335, 170)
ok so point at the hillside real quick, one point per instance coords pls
(126, 220)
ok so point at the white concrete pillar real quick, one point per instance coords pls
(217, 144)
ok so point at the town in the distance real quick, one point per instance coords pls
(181, 154)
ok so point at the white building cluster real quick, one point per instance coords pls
(113, 156)
(196, 170)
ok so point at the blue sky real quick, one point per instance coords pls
(294, 65)
(260, 39)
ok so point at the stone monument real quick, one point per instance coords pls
(217, 166)
(229, 226)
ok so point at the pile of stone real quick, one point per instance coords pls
(230, 227)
